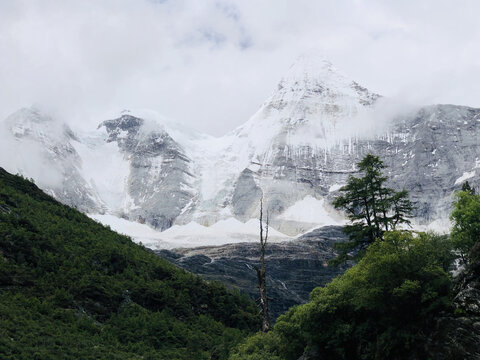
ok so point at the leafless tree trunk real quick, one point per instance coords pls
(261, 275)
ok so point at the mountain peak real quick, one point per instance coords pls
(313, 65)
(30, 114)
(313, 73)
(124, 122)
(35, 123)
(314, 91)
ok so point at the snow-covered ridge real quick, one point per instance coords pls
(314, 106)
(143, 173)
(465, 176)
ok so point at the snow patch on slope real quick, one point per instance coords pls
(335, 187)
(226, 231)
(313, 210)
(466, 175)
(140, 233)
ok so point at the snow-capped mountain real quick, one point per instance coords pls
(40, 147)
(158, 185)
(296, 150)
(283, 148)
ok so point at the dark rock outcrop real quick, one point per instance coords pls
(294, 268)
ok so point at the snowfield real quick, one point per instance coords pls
(190, 235)
(315, 211)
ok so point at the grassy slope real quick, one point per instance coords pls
(72, 288)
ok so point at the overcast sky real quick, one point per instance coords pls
(211, 64)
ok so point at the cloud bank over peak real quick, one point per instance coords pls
(211, 64)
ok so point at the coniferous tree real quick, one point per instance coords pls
(371, 207)
(466, 187)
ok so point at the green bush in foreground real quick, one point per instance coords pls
(376, 310)
(71, 288)
(466, 221)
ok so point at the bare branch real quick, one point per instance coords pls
(261, 221)
(261, 273)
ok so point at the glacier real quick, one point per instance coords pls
(167, 185)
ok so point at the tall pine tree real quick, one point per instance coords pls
(371, 207)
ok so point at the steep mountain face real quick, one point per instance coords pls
(432, 153)
(288, 143)
(128, 167)
(306, 139)
(159, 183)
(296, 151)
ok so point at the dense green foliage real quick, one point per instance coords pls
(384, 307)
(371, 207)
(466, 221)
(71, 288)
(376, 310)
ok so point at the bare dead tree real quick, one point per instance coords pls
(261, 274)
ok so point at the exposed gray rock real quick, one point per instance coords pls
(160, 180)
(426, 153)
(311, 143)
(443, 144)
(5, 209)
(294, 268)
(246, 196)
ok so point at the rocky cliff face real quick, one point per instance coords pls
(440, 150)
(128, 166)
(309, 135)
(294, 268)
(160, 181)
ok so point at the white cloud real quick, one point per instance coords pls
(210, 64)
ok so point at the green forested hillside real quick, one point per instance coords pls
(71, 288)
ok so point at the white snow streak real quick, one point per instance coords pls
(466, 175)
